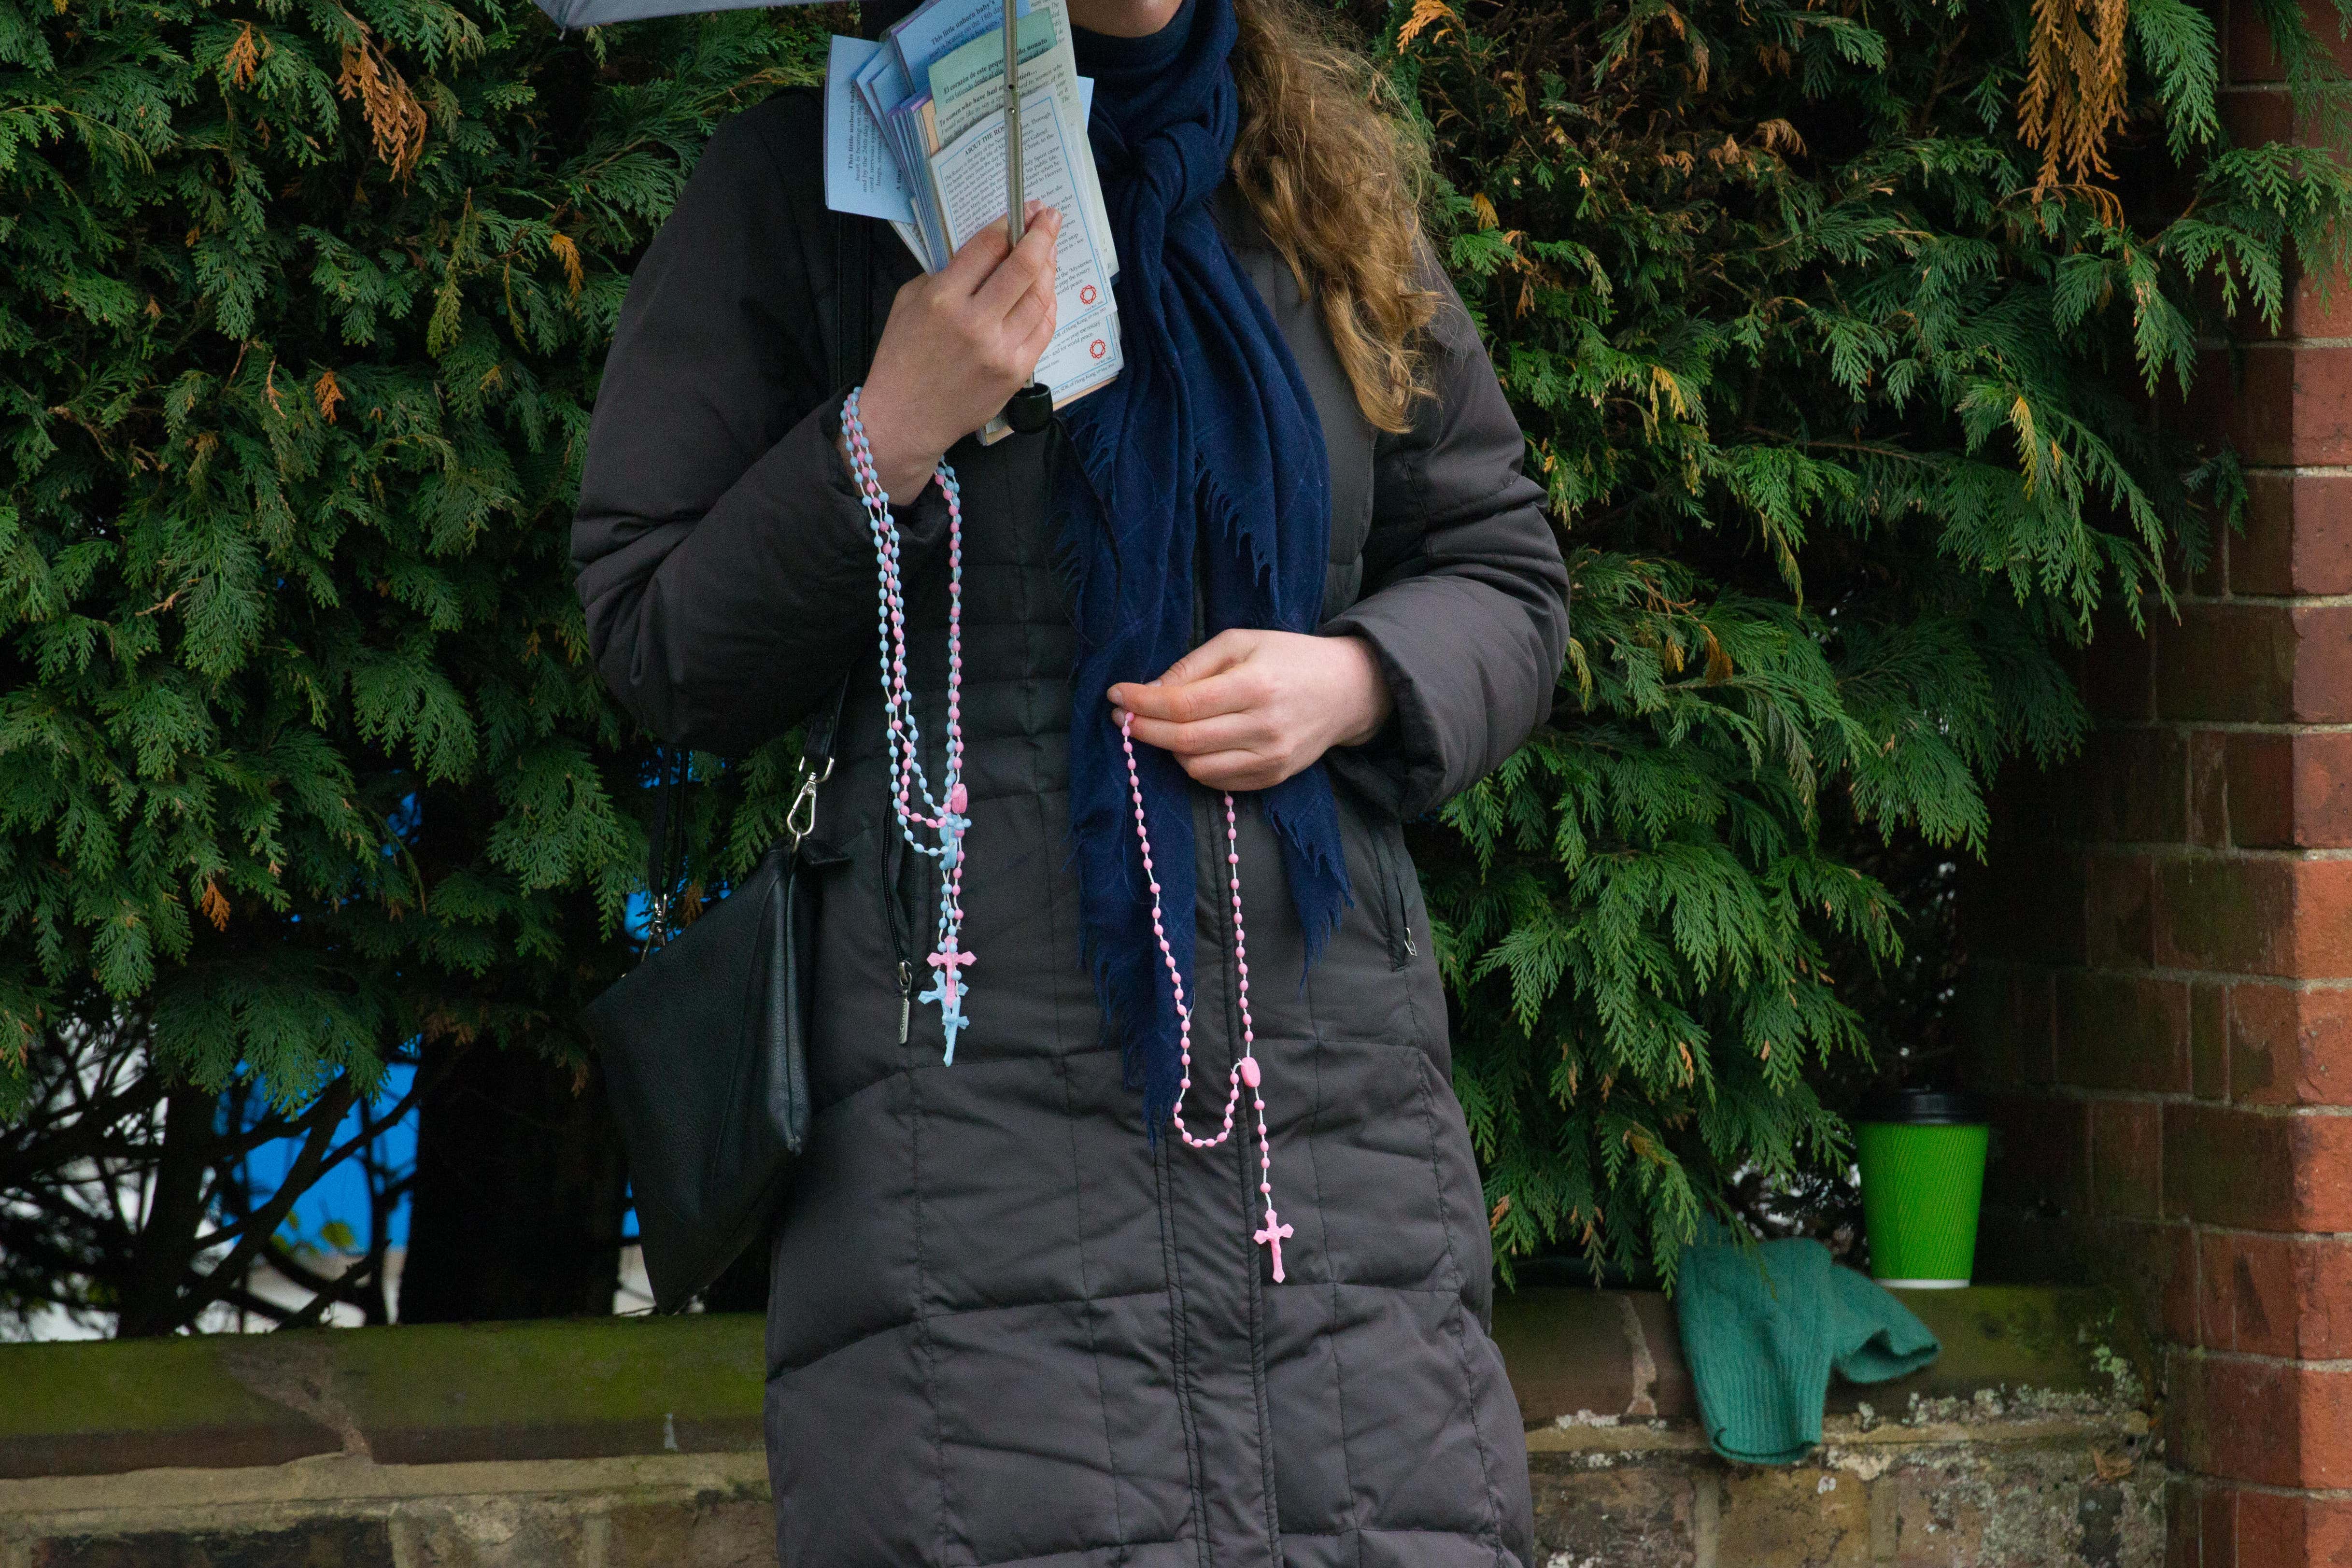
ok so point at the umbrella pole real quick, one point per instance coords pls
(1032, 408)
(1013, 194)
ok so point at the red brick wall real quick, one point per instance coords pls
(2163, 951)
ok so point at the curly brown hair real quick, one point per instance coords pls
(1336, 176)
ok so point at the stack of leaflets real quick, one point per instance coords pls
(914, 134)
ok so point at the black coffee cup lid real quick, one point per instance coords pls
(1924, 1108)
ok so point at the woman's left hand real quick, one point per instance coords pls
(1245, 710)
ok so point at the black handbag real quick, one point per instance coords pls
(705, 1043)
(705, 1047)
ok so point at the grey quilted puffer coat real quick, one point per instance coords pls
(1007, 1327)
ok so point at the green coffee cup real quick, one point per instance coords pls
(1922, 1153)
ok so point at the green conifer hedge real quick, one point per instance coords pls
(1839, 332)
(1836, 330)
(302, 758)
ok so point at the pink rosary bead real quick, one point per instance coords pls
(1244, 1071)
(944, 814)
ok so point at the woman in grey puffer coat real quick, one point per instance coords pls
(1007, 1326)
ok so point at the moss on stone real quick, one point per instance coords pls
(582, 1387)
(153, 1386)
(2022, 1337)
(558, 1370)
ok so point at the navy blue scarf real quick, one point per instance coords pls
(1205, 452)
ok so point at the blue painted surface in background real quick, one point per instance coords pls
(334, 1212)
(341, 1196)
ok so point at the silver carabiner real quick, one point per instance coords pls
(801, 820)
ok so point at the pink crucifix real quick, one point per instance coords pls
(946, 965)
(1273, 1237)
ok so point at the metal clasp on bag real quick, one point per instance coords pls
(801, 820)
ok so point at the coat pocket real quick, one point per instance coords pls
(863, 924)
(1394, 868)
(899, 918)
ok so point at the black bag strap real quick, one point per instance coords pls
(852, 309)
(816, 764)
(853, 302)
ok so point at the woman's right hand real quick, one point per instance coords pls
(958, 343)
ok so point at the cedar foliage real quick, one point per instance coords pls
(1841, 335)
(1832, 334)
(303, 760)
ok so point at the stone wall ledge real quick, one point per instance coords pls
(233, 1502)
(1579, 1358)
(1592, 1369)
(635, 1443)
(1841, 1435)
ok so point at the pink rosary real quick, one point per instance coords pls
(945, 816)
(1245, 1068)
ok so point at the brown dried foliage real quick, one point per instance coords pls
(568, 254)
(2074, 88)
(394, 117)
(244, 56)
(1426, 14)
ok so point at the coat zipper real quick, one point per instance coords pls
(1402, 949)
(893, 865)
